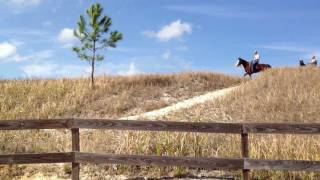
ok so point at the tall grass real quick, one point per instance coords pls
(278, 95)
(113, 97)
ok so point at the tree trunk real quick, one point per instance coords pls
(92, 73)
(92, 64)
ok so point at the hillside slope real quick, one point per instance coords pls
(286, 95)
(113, 97)
(278, 95)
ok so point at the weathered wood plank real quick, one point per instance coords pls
(245, 154)
(36, 158)
(267, 128)
(75, 135)
(282, 128)
(158, 126)
(75, 148)
(290, 165)
(207, 163)
(35, 124)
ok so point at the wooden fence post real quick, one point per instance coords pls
(75, 148)
(245, 153)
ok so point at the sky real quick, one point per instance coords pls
(160, 36)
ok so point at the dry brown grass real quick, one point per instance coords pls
(113, 97)
(279, 95)
(287, 95)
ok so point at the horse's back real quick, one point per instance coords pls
(266, 65)
(263, 67)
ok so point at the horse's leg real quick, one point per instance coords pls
(245, 74)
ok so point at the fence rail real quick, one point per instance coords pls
(76, 157)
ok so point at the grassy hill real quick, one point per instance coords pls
(278, 95)
(113, 97)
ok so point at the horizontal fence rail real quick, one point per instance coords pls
(245, 163)
(232, 128)
(36, 158)
(288, 165)
(205, 163)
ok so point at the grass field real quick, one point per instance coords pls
(113, 97)
(278, 95)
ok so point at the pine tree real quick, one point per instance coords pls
(94, 36)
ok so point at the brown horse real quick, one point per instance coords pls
(248, 69)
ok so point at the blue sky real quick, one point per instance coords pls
(160, 36)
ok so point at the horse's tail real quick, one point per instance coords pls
(269, 66)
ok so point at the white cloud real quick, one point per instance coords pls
(37, 56)
(132, 70)
(49, 69)
(39, 70)
(174, 30)
(66, 37)
(123, 69)
(166, 55)
(7, 50)
(54, 70)
(9, 53)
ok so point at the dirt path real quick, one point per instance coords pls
(153, 115)
(157, 114)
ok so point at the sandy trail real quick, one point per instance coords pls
(153, 115)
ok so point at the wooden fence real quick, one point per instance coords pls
(76, 157)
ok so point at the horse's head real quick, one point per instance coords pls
(238, 63)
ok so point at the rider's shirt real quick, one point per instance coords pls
(256, 57)
(313, 60)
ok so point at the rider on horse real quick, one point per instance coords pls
(313, 61)
(255, 62)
